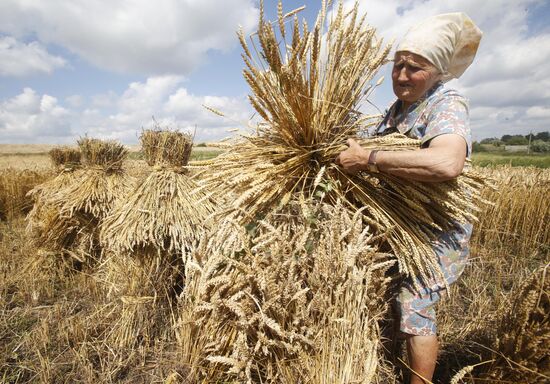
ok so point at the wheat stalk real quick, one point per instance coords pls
(308, 94)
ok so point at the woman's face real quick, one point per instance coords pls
(412, 76)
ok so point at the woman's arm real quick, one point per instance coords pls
(442, 160)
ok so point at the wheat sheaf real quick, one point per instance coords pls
(308, 85)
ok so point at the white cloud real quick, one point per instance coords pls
(189, 108)
(539, 112)
(145, 98)
(508, 77)
(139, 36)
(507, 84)
(29, 117)
(104, 100)
(20, 59)
(165, 99)
(74, 100)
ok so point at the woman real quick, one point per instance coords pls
(433, 52)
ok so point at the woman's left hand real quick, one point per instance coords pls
(354, 159)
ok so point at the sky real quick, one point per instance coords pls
(106, 69)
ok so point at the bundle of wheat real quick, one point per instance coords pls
(166, 209)
(106, 155)
(65, 157)
(100, 184)
(65, 160)
(309, 96)
(166, 148)
(69, 208)
(147, 235)
(47, 227)
(294, 299)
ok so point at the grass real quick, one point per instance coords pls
(205, 155)
(487, 159)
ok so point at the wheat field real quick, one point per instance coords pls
(56, 323)
(265, 263)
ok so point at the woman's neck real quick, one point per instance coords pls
(405, 105)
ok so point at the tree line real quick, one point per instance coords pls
(538, 142)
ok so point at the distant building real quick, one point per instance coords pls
(516, 148)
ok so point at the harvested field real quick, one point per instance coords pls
(55, 321)
(41, 161)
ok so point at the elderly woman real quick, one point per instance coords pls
(434, 51)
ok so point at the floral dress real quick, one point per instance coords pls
(441, 111)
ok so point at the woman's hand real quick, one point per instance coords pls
(354, 159)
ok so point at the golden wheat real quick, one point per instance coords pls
(14, 186)
(68, 209)
(273, 307)
(308, 94)
(521, 227)
(65, 157)
(146, 236)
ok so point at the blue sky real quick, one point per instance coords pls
(104, 68)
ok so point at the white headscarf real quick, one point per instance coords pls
(449, 41)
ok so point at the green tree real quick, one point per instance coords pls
(492, 140)
(517, 140)
(544, 136)
(477, 147)
(540, 146)
(489, 140)
(506, 138)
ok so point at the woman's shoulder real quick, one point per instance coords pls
(443, 92)
(446, 99)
